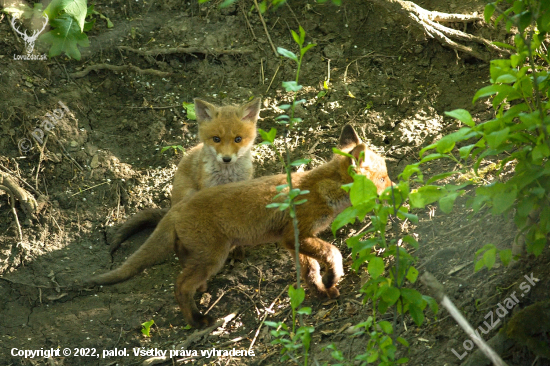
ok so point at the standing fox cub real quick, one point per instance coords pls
(203, 229)
(223, 156)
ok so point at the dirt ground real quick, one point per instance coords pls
(102, 163)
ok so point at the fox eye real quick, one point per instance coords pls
(382, 180)
(238, 139)
(216, 139)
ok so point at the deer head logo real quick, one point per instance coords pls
(29, 40)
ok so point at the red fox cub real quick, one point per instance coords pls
(203, 229)
(223, 156)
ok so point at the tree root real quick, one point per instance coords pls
(189, 50)
(14, 191)
(90, 68)
(427, 21)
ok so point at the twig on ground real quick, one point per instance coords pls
(274, 75)
(265, 317)
(90, 68)
(151, 107)
(68, 156)
(248, 23)
(265, 28)
(188, 50)
(97, 185)
(437, 289)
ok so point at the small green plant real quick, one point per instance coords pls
(300, 338)
(519, 134)
(68, 22)
(146, 328)
(175, 147)
(190, 110)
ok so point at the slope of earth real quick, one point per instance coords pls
(102, 161)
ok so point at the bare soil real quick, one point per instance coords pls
(102, 163)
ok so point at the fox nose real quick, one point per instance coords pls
(226, 159)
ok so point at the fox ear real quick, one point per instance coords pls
(349, 138)
(204, 110)
(251, 110)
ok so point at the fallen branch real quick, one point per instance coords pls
(437, 289)
(91, 68)
(189, 50)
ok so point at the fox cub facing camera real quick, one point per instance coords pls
(224, 155)
(204, 228)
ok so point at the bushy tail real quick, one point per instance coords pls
(156, 249)
(146, 218)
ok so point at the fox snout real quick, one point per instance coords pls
(226, 159)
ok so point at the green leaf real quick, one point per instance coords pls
(224, 4)
(291, 86)
(386, 327)
(496, 138)
(268, 136)
(488, 12)
(506, 78)
(306, 48)
(391, 295)
(376, 267)
(75, 8)
(412, 275)
(540, 152)
(146, 327)
(305, 310)
(446, 203)
(431, 303)
(297, 296)
(302, 35)
(425, 195)
(489, 258)
(362, 190)
(295, 37)
(416, 314)
(300, 162)
(441, 176)
(462, 115)
(403, 341)
(504, 45)
(190, 110)
(479, 265)
(505, 256)
(65, 37)
(286, 53)
(345, 217)
(503, 201)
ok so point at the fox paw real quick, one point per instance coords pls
(333, 293)
(200, 321)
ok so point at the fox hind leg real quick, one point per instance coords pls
(197, 270)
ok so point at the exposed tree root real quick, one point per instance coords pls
(90, 68)
(188, 50)
(427, 20)
(15, 192)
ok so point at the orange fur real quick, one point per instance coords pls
(208, 164)
(203, 229)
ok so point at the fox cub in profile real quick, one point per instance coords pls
(203, 229)
(224, 155)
